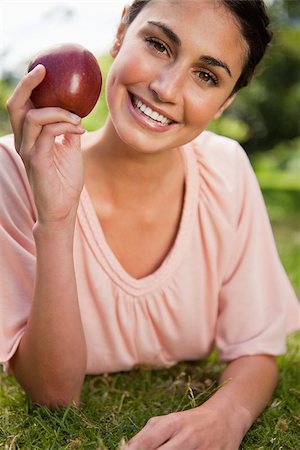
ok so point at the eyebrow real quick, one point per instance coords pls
(210, 60)
(167, 31)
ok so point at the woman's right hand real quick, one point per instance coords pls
(48, 141)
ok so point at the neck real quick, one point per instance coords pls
(127, 173)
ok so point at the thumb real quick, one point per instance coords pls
(25, 87)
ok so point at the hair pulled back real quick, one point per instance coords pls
(254, 22)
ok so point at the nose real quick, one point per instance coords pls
(168, 83)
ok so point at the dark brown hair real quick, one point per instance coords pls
(254, 22)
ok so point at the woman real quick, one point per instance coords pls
(146, 241)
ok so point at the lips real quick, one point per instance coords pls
(154, 114)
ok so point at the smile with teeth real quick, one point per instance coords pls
(147, 111)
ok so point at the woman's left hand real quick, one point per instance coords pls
(201, 428)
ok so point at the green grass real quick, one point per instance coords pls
(116, 406)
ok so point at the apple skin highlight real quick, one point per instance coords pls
(73, 79)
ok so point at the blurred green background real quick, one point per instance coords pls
(265, 119)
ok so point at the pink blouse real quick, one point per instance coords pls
(222, 283)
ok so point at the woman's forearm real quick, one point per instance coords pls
(50, 362)
(247, 386)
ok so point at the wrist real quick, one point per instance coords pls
(56, 221)
(61, 230)
(237, 416)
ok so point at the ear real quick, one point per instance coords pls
(120, 33)
(224, 106)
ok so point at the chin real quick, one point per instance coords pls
(137, 140)
(138, 145)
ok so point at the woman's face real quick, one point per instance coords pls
(174, 69)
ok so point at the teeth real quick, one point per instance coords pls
(150, 113)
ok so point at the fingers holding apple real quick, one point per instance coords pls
(73, 79)
(24, 88)
(36, 119)
(19, 102)
(66, 76)
(62, 86)
(51, 153)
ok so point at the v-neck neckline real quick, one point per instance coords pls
(91, 226)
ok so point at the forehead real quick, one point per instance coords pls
(194, 7)
(206, 25)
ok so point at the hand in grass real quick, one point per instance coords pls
(201, 428)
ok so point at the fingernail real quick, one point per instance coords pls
(75, 117)
(38, 68)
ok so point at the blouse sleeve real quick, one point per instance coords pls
(17, 255)
(257, 305)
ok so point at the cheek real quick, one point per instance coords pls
(127, 70)
(201, 109)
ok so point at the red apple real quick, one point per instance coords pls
(73, 79)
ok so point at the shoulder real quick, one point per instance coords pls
(219, 151)
(15, 188)
(7, 144)
(225, 175)
(221, 162)
(10, 160)
(215, 141)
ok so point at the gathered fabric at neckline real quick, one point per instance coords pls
(91, 226)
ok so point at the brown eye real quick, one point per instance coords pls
(157, 45)
(207, 77)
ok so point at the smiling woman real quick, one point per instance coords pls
(253, 23)
(146, 241)
(188, 83)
